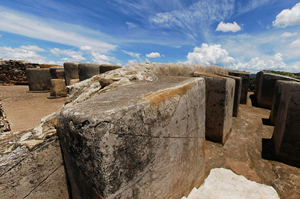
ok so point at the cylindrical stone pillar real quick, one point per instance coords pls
(71, 72)
(107, 67)
(87, 70)
(53, 72)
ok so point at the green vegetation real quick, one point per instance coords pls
(283, 73)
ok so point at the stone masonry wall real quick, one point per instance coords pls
(13, 71)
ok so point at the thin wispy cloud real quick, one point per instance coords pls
(132, 54)
(59, 32)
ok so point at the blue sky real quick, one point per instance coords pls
(247, 35)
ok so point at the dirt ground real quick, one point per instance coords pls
(24, 110)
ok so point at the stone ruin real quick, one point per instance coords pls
(55, 78)
(150, 119)
(139, 131)
(281, 94)
(13, 71)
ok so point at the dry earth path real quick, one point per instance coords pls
(24, 110)
(243, 150)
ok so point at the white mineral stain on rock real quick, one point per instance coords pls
(224, 184)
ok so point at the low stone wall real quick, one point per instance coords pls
(219, 106)
(286, 136)
(245, 83)
(146, 140)
(265, 85)
(13, 71)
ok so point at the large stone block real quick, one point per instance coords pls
(237, 93)
(245, 83)
(286, 136)
(88, 70)
(265, 85)
(145, 140)
(55, 72)
(39, 79)
(219, 106)
(108, 67)
(58, 88)
(276, 100)
(71, 72)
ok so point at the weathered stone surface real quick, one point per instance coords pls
(32, 174)
(4, 124)
(88, 70)
(286, 136)
(245, 83)
(108, 67)
(237, 93)
(109, 80)
(219, 106)
(182, 69)
(71, 72)
(223, 183)
(31, 163)
(265, 84)
(58, 88)
(49, 65)
(39, 79)
(276, 100)
(135, 144)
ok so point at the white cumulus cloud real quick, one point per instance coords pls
(227, 27)
(288, 34)
(258, 64)
(210, 54)
(28, 53)
(288, 17)
(72, 55)
(101, 59)
(153, 55)
(131, 62)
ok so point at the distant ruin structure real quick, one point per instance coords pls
(13, 71)
(265, 85)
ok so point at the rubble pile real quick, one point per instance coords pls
(13, 71)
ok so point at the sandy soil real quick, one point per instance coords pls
(24, 110)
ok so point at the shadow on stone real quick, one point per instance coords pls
(253, 100)
(267, 149)
(266, 121)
